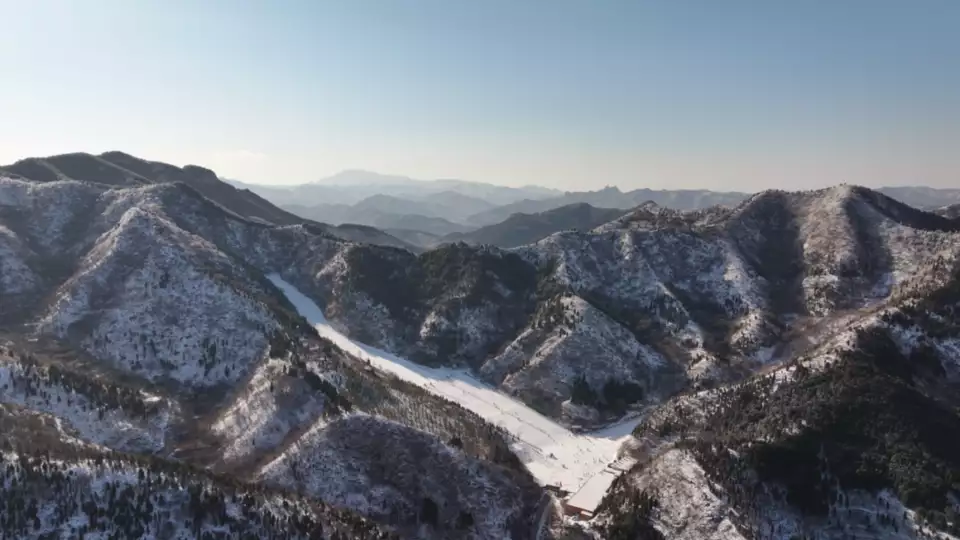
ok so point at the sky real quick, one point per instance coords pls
(576, 95)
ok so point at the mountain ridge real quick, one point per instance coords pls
(520, 229)
(363, 184)
(613, 197)
(119, 169)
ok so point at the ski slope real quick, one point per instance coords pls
(552, 453)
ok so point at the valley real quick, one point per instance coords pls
(553, 454)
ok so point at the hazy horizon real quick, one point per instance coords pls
(326, 181)
(568, 95)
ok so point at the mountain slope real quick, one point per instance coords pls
(53, 486)
(127, 265)
(610, 197)
(418, 238)
(401, 485)
(458, 204)
(855, 438)
(366, 234)
(430, 225)
(520, 229)
(952, 211)
(856, 435)
(402, 206)
(120, 415)
(386, 219)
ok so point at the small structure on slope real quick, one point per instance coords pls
(584, 502)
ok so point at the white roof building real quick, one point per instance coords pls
(589, 496)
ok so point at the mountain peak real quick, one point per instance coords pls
(609, 190)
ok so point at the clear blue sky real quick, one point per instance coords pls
(572, 94)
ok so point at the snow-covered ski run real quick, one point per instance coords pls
(553, 454)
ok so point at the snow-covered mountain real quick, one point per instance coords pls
(852, 433)
(126, 417)
(175, 367)
(403, 476)
(856, 436)
(688, 298)
(118, 169)
(141, 319)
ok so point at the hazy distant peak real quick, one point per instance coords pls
(381, 199)
(923, 197)
(459, 203)
(359, 177)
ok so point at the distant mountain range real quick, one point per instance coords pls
(436, 213)
(426, 213)
(926, 198)
(343, 214)
(521, 229)
(351, 187)
(447, 207)
(612, 197)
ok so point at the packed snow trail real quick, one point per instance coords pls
(552, 453)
